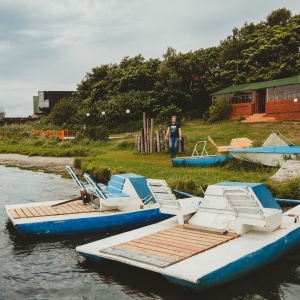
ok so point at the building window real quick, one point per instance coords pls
(283, 92)
(236, 98)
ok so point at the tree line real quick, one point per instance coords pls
(180, 83)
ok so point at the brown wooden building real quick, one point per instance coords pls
(278, 99)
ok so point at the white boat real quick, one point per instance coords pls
(275, 151)
(124, 203)
(236, 229)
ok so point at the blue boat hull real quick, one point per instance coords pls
(200, 161)
(102, 223)
(243, 266)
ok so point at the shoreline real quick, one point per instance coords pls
(37, 163)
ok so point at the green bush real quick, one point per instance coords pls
(220, 110)
(289, 189)
(96, 133)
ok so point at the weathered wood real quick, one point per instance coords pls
(157, 142)
(151, 134)
(168, 246)
(150, 259)
(145, 132)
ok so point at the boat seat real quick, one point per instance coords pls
(168, 202)
(106, 198)
(249, 212)
(80, 184)
(220, 149)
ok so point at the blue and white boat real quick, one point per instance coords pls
(205, 160)
(125, 202)
(236, 229)
(275, 151)
(201, 161)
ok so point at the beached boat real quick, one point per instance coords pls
(202, 159)
(236, 229)
(125, 202)
(274, 152)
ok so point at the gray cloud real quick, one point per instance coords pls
(50, 45)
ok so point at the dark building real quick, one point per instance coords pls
(48, 99)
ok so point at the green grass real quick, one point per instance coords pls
(104, 158)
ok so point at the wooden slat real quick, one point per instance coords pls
(195, 235)
(41, 212)
(13, 213)
(20, 213)
(71, 208)
(34, 212)
(181, 245)
(63, 208)
(174, 244)
(147, 258)
(171, 247)
(84, 208)
(192, 238)
(59, 210)
(159, 248)
(27, 212)
(177, 257)
(47, 210)
(75, 207)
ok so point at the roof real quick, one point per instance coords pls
(258, 85)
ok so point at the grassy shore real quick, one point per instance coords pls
(104, 158)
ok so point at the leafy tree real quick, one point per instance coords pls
(2, 113)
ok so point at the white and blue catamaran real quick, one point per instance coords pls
(235, 229)
(275, 151)
(125, 202)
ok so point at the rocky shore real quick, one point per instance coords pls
(38, 163)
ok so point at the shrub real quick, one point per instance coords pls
(220, 110)
(96, 133)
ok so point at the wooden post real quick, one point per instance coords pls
(158, 141)
(142, 141)
(145, 131)
(136, 142)
(184, 143)
(151, 134)
(147, 140)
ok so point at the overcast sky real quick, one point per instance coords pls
(51, 45)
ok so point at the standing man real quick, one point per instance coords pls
(174, 133)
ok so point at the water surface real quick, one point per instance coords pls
(50, 268)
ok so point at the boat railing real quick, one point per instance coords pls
(203, 151)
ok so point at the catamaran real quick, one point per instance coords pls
(125, 202)
(235, 229)
(275, 151)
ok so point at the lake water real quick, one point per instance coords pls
(50, 268)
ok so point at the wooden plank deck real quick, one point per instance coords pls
(75, 207)
(169, 246)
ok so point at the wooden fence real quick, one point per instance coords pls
(154, 141)
(61, 134)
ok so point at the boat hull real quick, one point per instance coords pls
(201, 161)
(244, 266)
(89, 224)
(269, 156)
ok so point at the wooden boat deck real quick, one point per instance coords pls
(167, 247)
(47, 210)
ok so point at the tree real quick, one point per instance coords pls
(2, 113)
(279, 17)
